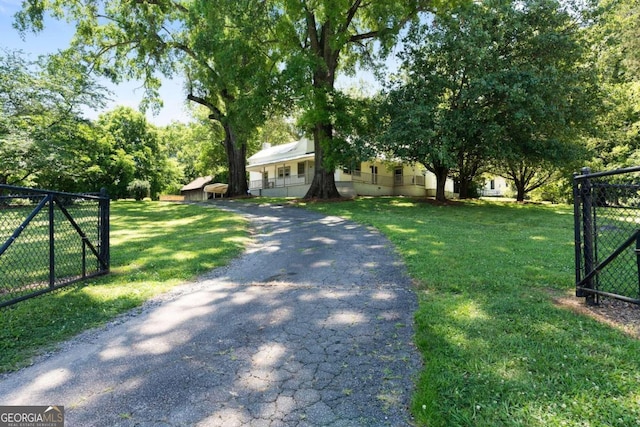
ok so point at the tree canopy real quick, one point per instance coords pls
(482, 86)
(496, 85)
(220, 47)
(317, 39)
(40, 105)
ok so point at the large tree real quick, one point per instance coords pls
(549, 93)
(415, 131)
(447, 72)
(220, 46)
(319, 38)
(132, 150)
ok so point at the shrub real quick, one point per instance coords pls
(139, 189)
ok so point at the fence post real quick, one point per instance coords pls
(638, 261)
(104, 228)
(52, 246)
(586, 198)
(577, 225)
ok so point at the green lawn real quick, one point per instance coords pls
(497, 351)
(154, 247)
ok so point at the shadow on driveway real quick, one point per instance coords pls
(312, 326)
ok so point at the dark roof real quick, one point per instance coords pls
(197, 183)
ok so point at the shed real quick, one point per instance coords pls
(194, 191)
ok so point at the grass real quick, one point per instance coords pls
(497, 351)
(154, 247)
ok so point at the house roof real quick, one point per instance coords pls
(197, 183)
(279, 153)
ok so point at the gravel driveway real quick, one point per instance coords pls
(312, 326)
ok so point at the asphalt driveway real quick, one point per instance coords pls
(312, 326)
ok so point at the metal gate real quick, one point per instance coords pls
(49, 240)
(607, 234)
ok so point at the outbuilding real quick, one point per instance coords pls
(194, 191)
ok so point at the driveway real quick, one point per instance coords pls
(312, 326)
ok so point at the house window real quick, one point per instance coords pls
(374, 174)
(355, 170)
(397, 173)
(493, 184)
(284, 172)
(301, 169)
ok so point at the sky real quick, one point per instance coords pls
(57, 35)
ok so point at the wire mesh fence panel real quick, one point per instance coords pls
(49, 240)
(607, 210)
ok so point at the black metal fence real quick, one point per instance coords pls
(607, 234)
(49, 240)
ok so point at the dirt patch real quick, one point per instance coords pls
(619, 314)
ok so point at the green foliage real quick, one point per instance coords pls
(279, 129)
(41, 133)
(220, 46)
(130, 150)
(615, 38)
(139, 189)
(481, 85)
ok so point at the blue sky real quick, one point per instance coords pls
(56, 35)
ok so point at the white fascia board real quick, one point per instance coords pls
(278, 162)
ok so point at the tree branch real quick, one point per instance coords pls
(312, 31)
(178, 6)
(191, 53)
(216, 114)
(365, 36)
(398, 27)
(350, 15)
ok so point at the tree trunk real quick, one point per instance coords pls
(521, 186)
(236, 161)
(323, 185)
(441, 174)
(520, 192)
(236, 153)
(465, 186)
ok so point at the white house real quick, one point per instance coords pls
(287, 171)
(494, 186)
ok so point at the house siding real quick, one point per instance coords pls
(287, 171)
(494, 186)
